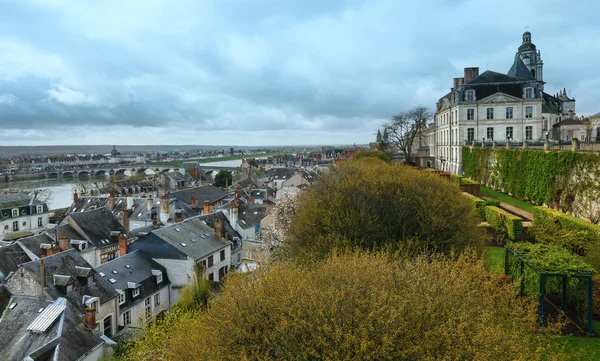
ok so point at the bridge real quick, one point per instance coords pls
(121, 171)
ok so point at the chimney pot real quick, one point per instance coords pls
(75, 197)
(122, 245)
(90, 317)
(206, 207)
(63, 243)
(125, 219)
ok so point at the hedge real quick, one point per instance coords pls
(544, 216)
(479, 205)
(505, 222)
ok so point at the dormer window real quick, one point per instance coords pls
(136, 292)
(471, 95)
(15, 212)
(90, 279)
(121, 297)
(39, 209)
(159, 276)
(529, 93)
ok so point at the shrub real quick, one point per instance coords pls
(596, 295)
(492, 202)
(505, 222)
(374, 206)
(479, 203)
(361, 307)
(546, 216)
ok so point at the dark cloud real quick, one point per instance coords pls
(265, 71)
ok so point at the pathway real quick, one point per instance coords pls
(527, 216)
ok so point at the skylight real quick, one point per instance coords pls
(127, 266)
(177, 230)
(102, 274)
(183, 244)
(112, 280)
(193, 240)
(115, 272)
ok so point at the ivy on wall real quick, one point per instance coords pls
(554, 178)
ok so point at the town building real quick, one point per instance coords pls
(496, 107)
(22, 215)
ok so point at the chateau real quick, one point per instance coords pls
(499, 107)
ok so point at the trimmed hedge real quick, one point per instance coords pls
(479, 205)
(505, 222)
(544, 216)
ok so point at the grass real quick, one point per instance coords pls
(494, 259)
(220, 159)
(528, 207)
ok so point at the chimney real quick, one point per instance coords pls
(251, 200)
(471, 73)
(125, 219)
(164, 209)
(150, 203)
(122, 245)
(42, 277)
(51, 250)
(458, 82)
(154, 222)
(63, 243)
(111, 201)
(192, 200)
(219, 228)
(90, 317)
(206, 207)
(75, 197)
(129, 201)
(234, 214)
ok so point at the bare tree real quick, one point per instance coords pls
(406, 130)
(590, 124)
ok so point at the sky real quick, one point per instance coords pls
(265, 72)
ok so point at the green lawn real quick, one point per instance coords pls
(528, 207)
(494, 259)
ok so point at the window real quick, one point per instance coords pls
(490, 113)
(107, 326)
(222, 255)
(509, 133)
(40, 222)
(39, 209)
(69, 288)
(529, 93)
(148, 307)
(528, 112)
(15, 212)
(528, 133)
(239, 258)
(470, 134)
(157, 300)
(90, 279)
(470, 96)
(127, 318)
(210, 261)
(15, 226)
(470, 114)
(121, 297)
(159, 277)
(490, 133)
(509, 113)
(211, 276)
(136, 292)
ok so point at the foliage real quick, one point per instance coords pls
(552, 259)
(566, 180)
(407, 129)
(374, 206)
(359, 307)
(494, 259)
(371, 154)
(505, 222)
(492, 202)
(501, 197)
(596, 294)
(223, 179)
(196, 293)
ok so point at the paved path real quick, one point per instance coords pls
(526, 215)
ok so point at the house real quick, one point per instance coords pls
(34, 328)
(143, 287)
(135, 212)
(131, 186)
(248, 220)
(300, 178)
(188, 249)
(497, 107)
(21, 214)
(276, 177)
(68, 275)
(199, 196)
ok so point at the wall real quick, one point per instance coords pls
(180, 272)
(138, 309)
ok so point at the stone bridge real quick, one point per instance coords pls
(121, 171)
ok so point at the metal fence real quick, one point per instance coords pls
(571, 294)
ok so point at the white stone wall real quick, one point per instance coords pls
(138, 310)
(27, 223)
(180, 272)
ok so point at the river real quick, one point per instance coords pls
(61, 190)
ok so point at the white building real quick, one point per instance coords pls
(496, 107)
(22, 213)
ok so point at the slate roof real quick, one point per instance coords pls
(520, 70)
(135, 267)
(67, 338)
(251, 214)
(281, 173)
(96, 226)
(64, 264)
(17, 200)
(33, 243)
(204, 193)
(489, 76)
(227, 227)
(568, 121)
(244, 183)
(180, 240)
(10, 258)
(551, 104)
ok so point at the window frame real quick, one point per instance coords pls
(40, 222)
(156, 299)
(222, 255)
(15, 212)
(470, 114)
(529, 94)
(509, 133)
(490, 130)
(135, 292)
(529, 112)
(490, 113)
(39, 209)
(15, 226)
(529, 132)
(511, 111)
(470, 95)
(122, 297)
(210, 261)
(127, 318)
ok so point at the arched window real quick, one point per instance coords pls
(533, 72)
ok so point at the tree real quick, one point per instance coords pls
(223, 179)
(358, 307)
(407, 129)
(372, 205)
(590, 124)
(371, 154)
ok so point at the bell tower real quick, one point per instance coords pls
(532, 59)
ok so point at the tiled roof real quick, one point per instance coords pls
(203, 193)
(10, 258)
(520, 70)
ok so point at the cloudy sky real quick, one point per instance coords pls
(264, 72)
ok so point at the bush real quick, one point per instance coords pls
(505, 222)
(596, 295)
(374, 206)
(361, 307)
(492, 202)
(547, 216)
